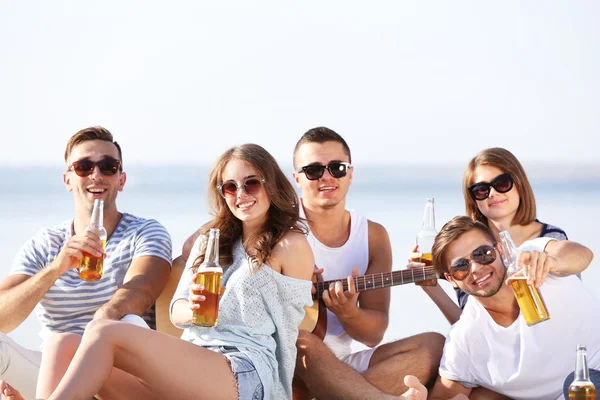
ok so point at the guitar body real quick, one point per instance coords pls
(315, 318)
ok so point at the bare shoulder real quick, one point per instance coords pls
(378, 236)
(380, 249)
(293, 256)
(189, 243)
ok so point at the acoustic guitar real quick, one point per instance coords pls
(315, 319)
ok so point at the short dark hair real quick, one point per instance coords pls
(322, 134)
(450, 232)
(92, 133)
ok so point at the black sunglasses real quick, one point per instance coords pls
(481, 190)
(85, 167)
(251, 186)
(337, 169)
(483, 255)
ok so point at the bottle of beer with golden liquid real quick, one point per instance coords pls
(530, 300)
(582, 387)
(210, 274)
(90, 267)
(426, 237)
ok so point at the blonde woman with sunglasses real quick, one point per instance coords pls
(250, 353)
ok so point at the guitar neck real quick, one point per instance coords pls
(378, 281)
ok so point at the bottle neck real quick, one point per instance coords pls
(212, 249)
(428, 216)
(582, 372)
(98, 213)
(510, 251)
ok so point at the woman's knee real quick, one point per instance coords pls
(62, 342)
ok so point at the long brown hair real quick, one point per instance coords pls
(505, 161)
(283, 214)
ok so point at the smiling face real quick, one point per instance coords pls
(326, 192)
(96, 185)
(483, 280)
(250, 209)
(498, 207)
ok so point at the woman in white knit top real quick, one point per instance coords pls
(251, 353)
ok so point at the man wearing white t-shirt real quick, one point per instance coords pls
(43, 277)
(491, 345)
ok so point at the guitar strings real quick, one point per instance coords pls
(376, 281)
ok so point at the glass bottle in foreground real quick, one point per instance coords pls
(582, 387)
(426, 237)
(90, 267)
(210, 274)
(530, 300)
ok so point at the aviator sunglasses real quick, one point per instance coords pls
(484, 255)
(85, 167)
(481, 190)
(337, 169)
(251, 186)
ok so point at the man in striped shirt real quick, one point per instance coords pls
(44, 273)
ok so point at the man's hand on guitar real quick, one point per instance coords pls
(342, 303)
(317, 271)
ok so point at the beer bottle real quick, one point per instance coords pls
(90, 267)
(530, 300)
(426, 237)
(210, 274)
(582, 387)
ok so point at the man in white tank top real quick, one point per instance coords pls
(346, 244)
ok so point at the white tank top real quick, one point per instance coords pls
(337, 263)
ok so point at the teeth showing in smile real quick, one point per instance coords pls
(478, 281)
(326, 189)
(96, 190)
(245, 206)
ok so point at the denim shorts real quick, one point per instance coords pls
(248, 382)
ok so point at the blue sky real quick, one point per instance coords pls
(402, 81)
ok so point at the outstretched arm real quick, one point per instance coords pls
(143, 283)
(571, 257)
(146, 277)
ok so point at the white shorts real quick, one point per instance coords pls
(359, 360)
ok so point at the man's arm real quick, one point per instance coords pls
(559, 258)
(368, 321)
(571, 257)
(19, 293)
(447, 389)
(144, 281)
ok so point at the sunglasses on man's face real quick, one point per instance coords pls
(483, 255)
(85, 167)
(481, 190)
(251, 186)
(336, 169)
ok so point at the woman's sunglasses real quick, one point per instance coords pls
(85, 167)
(481, 190)
(250, 186)
(483, 255)
(336, 169)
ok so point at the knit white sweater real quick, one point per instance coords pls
(259, 313)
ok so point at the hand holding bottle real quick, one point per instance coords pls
(535, 266)
(71, 253)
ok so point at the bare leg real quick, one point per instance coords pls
(329, 378)
(417, 355)
(8, 392)
(171, 367)
(58, 353)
